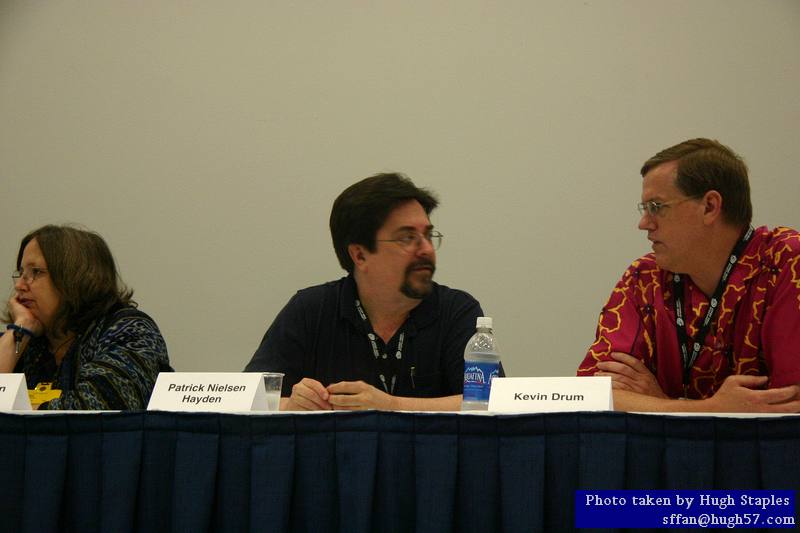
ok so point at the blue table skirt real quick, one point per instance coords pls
(367, 471)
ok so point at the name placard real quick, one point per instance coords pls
(229, 392)
(548, 395)
(14, 393)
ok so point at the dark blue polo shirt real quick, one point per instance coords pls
(320, 334)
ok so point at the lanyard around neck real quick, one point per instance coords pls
(680, 323)
(382, 358)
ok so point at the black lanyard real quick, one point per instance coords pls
(386, 364)
(680, 324)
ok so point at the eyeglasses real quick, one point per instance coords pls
(653, 208)
(28, 275)
(413, 240)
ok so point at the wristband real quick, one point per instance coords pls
(21, 330)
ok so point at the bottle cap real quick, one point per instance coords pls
(484, 322)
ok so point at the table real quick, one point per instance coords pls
(364, 471)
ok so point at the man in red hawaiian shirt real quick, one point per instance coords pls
(710, 320)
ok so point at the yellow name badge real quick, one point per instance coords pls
(43, 392)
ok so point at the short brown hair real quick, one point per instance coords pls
(83, 271)
(708, 165)
(362, 208)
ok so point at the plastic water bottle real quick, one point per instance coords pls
(481, 365)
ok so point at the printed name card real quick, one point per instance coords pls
(548, 395)
(14, 393)
(229, 392)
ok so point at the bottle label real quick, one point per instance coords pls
(478, 378)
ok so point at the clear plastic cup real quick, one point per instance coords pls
(272, 385)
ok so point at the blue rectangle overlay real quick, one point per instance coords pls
(685, 509)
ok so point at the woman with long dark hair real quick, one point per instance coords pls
(73, 324)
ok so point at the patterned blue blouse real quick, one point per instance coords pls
(112, 366)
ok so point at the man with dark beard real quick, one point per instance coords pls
(386, 336)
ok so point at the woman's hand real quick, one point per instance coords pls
(22, 316)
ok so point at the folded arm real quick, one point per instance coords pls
(636, 389)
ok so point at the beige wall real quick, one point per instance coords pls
(207, 140)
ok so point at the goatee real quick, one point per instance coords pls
(422, 289)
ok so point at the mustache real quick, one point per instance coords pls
(422, 263)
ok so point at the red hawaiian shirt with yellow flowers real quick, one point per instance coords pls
(756, 330)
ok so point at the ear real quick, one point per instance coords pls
(357, 255)
(712, 207)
